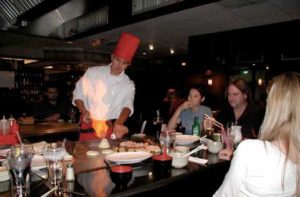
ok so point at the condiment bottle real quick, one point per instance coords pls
(70, 176)
(4, 126)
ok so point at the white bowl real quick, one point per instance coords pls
(182, 149)
(178, 160)
(214, 147)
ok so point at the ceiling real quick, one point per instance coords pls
(164, 32)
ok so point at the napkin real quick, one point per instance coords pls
(38, 147)
(4, 176)
(198, 160)
(38, 162)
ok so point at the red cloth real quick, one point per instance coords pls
(9, 139)
(127, 46)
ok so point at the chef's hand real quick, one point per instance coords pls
(120, 130)
(226, 154)
(86, 117)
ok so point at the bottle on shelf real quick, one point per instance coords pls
(4, 126)
(196, 128)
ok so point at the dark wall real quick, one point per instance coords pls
(246, 46)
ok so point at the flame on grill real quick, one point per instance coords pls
(100, 128)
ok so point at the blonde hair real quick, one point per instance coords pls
(282, 118)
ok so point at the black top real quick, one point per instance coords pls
(250, 120)
(46, 109)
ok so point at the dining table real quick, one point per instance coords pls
(93, 177)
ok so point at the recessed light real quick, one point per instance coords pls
(183, 63)
(172, 51)
(48, 67)
(144, 53)
(151, 47)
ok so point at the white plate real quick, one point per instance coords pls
(128, 157)
(186, 139)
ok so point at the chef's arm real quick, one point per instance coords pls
(123, 116)
(84, 112)
(119, 129)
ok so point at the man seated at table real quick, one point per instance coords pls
(51, 108)
(241, 111)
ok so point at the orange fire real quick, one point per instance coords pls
(100, 128)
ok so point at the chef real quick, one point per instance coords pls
(104, 94)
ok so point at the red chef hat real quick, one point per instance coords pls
(127, 46)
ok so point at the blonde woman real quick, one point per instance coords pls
(270, 166)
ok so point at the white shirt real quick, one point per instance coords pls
(104, 95)
(256, 170)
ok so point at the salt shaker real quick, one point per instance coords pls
(70, 176)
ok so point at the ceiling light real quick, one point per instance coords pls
(48, 67)
(267, 67)
(183, 63)
(144, 53)
(245, 71)
(209, 82)
(172, 51)
(151, 47)
(260, 82)
(29, 61)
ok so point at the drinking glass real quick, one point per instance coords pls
(167, 140)
(229, 141)
(236, 131)
(208, 127)
(19, 164)
(157, 126)
(54, 157)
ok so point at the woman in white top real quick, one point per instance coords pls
(270, 166)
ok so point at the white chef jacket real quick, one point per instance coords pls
(104, 95)
(256, 170)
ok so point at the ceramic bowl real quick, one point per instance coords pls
(214, 147)
(182, 149)
(161, 166)
(121, 174)
(179, 161)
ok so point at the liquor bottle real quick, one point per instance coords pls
(196, 127)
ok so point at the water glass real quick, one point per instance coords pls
(54, 157)
(167, 141)
(19, 164)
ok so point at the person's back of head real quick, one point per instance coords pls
(282, 118)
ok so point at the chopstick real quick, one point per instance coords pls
(220, 125)
(216, 123)
(50, 191)
(195, 150)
